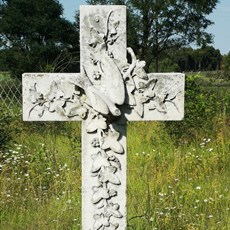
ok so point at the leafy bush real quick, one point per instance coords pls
(8, 128)
(202, 105)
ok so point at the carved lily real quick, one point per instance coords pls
(57, 105)
(99, 159)
(41, 104)
(111, 142)
(101, 221)
(35, 96)
(107, 174)
(112, 210)
(144, 93)
(158, 103)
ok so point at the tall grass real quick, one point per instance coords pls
(174, 181)
(169, 186)
(185, 187)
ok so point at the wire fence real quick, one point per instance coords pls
(10, 93)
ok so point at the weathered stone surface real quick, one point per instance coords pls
(108, 92)
(103, 49)
(161, 97)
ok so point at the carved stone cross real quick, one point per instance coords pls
(107, 93)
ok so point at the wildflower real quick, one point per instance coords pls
(198, 188)
(68, 201)
(210, 216)
(205, 200)
(210, 150)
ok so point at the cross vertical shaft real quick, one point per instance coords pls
(100, 28)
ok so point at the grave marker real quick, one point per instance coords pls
(107, 93)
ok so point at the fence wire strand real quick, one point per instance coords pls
(10, 94)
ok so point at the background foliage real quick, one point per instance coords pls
(35, 37)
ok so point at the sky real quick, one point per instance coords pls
(220, 17)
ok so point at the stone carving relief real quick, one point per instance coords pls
(99, 97)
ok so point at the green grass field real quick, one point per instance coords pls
(169, 186)
(178, 175)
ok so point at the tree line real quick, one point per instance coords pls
(36, 37)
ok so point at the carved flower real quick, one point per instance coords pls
(111, 141)
(35, 96)
(57, 105)
(144, 93)
(41, 104)
(95, 38)
(158, 103)
(115, 161)
(107, 174)
(98, 122)
(95, 143)
(112, 210)
(99, 159)
(101, 221)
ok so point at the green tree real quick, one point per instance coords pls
(35, 37)
(226, 62)
(162, 25)
(207, 58)
(225, 66)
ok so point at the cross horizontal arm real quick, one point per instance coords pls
(53, 97)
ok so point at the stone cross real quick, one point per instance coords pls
(109, 91)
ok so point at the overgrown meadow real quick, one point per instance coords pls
(178, 172)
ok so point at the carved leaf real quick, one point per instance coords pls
(112, 227)
(107, 174)
(99, 194)
(77, 111)
(111, 141)
(100, 221)
(113, 210)
(99, 122)
(99, 159)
